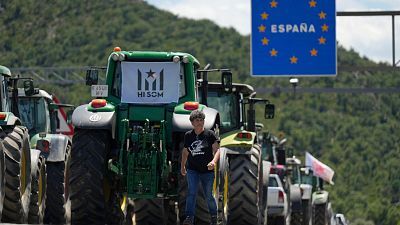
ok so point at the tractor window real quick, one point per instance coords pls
(3, 96)
(182, 86)
(226, 104)
(34, 115)
(307, 179)
(116, 87)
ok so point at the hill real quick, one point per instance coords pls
(356, 134)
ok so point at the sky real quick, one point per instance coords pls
(369, 36)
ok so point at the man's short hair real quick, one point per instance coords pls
(196, 114)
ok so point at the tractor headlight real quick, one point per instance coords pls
(176, 59)
(185, 59)
(114, 56)
(118, 56)
(121, 56)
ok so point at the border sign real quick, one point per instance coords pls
(293, 38)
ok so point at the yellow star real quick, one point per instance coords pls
(322, 15)
(264, 16)
(312, 3)
(261, 28)
(321, 40)
(265, 41)
(325, 28)
(293, 60)
(314, 52)
(273, 4)
(273, 52)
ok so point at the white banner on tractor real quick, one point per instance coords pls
(150, 82)
(319, 169)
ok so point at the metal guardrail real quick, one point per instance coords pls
(55, 75)
(300, 90)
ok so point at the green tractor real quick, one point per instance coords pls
(315, 206)
(322, 212)
(303, 181)
(38, 112)
(22, 169)
(127, 142)
(243, 174)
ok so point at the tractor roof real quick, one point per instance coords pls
(41, 93)
(152, 55)
(245, 89)
(4, 71)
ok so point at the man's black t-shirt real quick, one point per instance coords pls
(200, 149)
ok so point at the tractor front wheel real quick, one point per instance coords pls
(38, 190)
(57, 209)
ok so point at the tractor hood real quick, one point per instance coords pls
(232, 139)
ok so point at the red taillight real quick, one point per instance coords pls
(43, 145)
(243, 135)
(98, 103)
(3, 116)
(191, 105)
(281, 197)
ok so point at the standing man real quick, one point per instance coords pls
(201, 152)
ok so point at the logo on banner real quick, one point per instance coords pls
(150, 85)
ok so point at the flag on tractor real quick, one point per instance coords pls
(319, 169)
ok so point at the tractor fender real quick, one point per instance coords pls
(85, 119)
(320, 197)
(295, 198)
(35, 154)
(181, 122)
(237, 150)
(307, 191)
(58, 146)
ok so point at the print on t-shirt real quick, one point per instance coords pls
(196, 148)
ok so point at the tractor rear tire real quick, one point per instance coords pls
(320, 214)
(88, 178)
(17, 175)
(171, 212)
(57, 190)
(307, 212)
(202, 215)
(38, 192)
(296, 218)
(244, 184)
(149, 211)
(2, 178)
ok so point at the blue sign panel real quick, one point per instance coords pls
(293, 38)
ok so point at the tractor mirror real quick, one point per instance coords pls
(69, 116)
(226, 80)
(198, 75)
(53, 106)
(92, 77)
(269, 111)
(29, 89)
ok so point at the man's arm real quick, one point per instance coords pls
(185, 154)
(215, 148)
